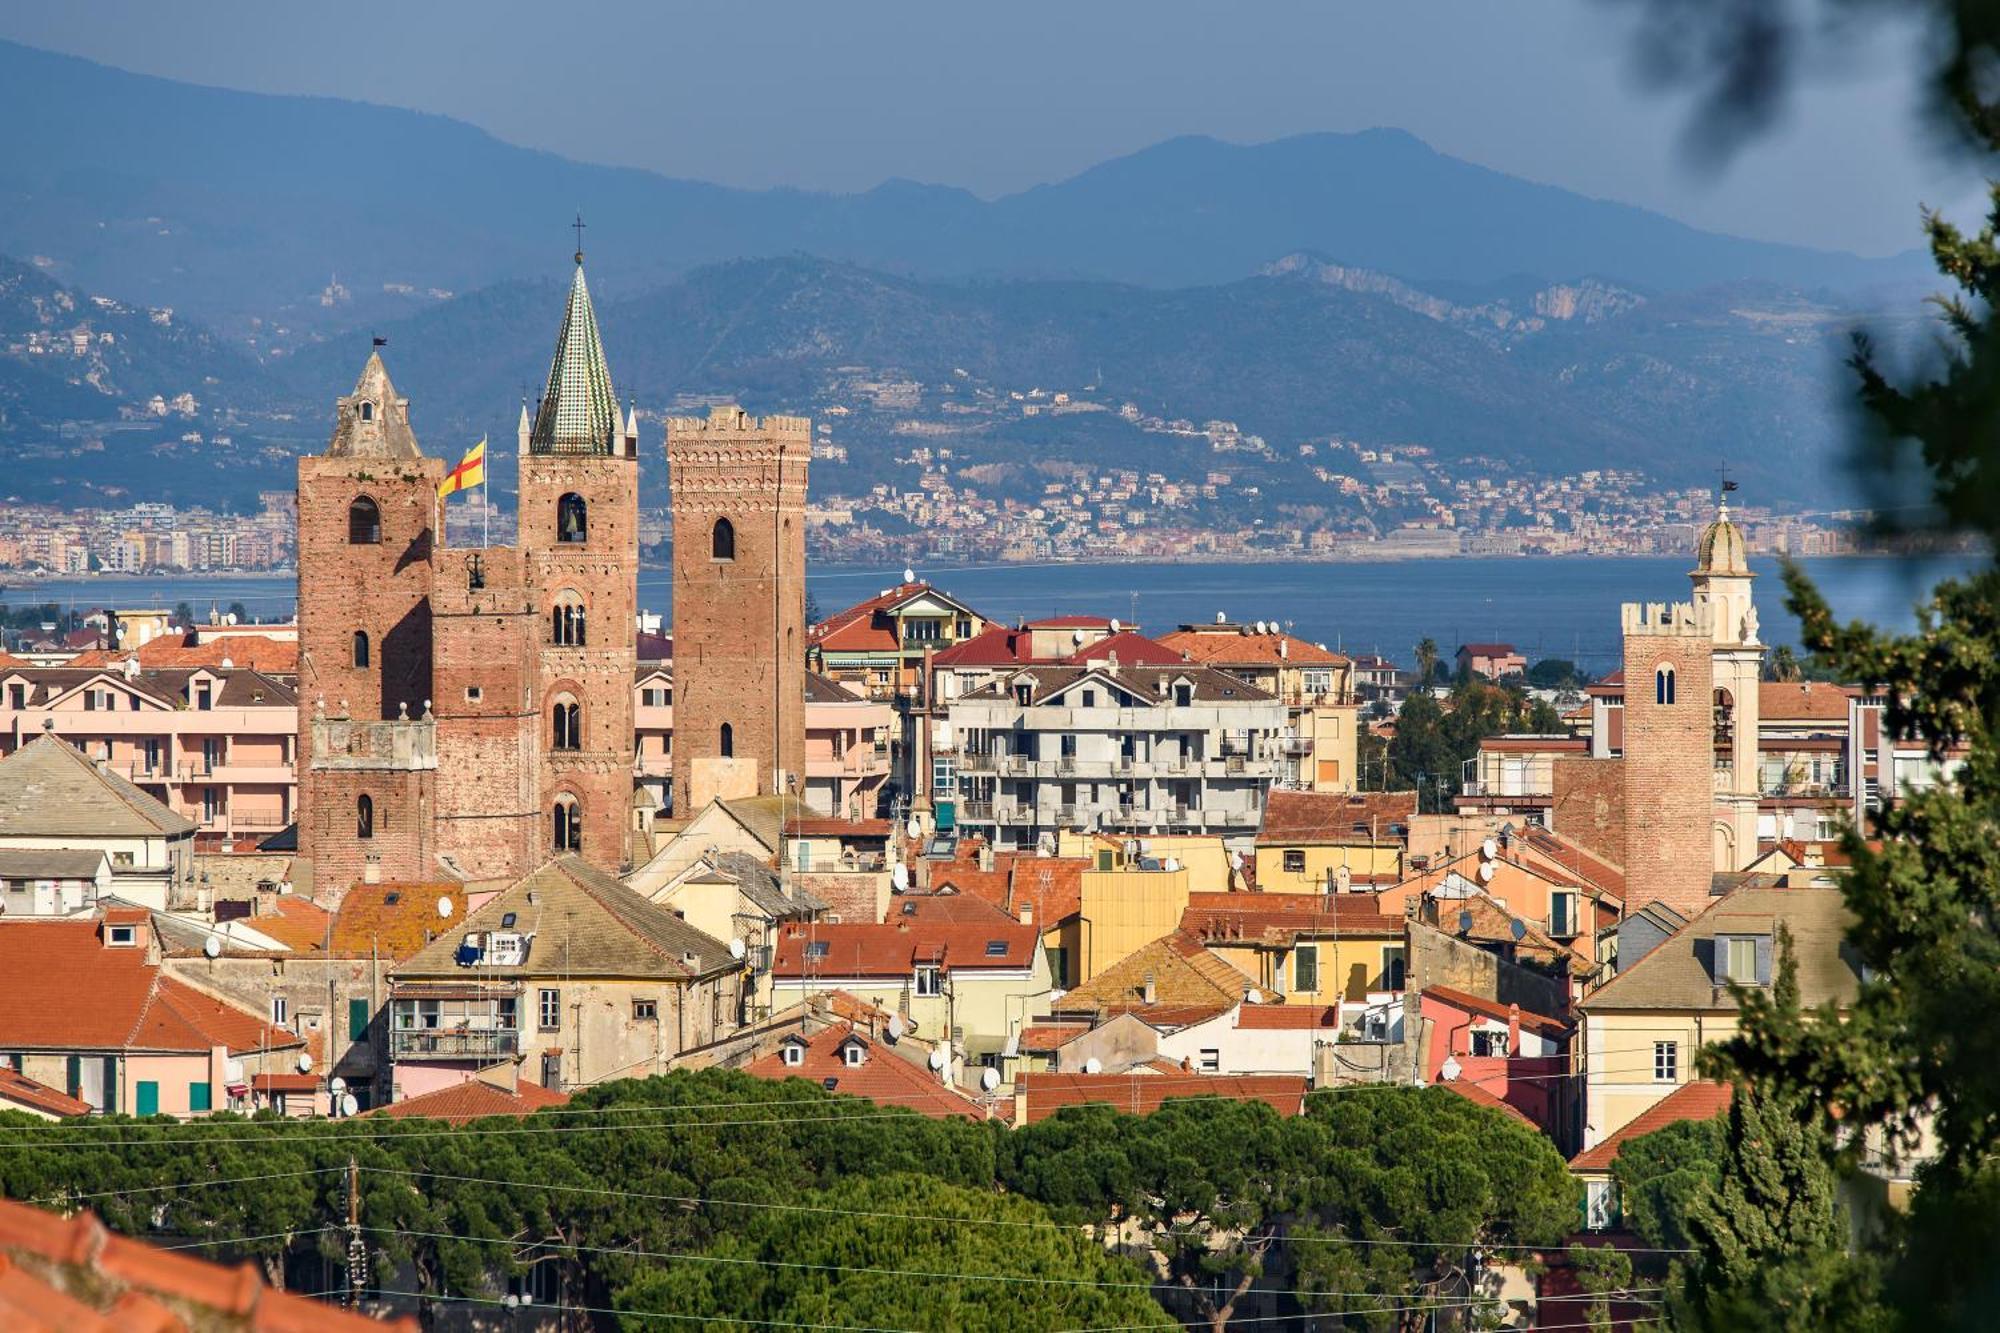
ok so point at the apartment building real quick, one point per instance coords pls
(1318, 749)
(1117, 748)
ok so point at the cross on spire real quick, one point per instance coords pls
(579, 225)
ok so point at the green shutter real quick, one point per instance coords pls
(74, 1078)
(198, 1097)
(357, 1020)
(149, 1098)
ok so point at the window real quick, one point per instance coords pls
(1663, 686)
(146, 1097)
(818, 948)
(364, 817)
(944, 775)
(1600, 1204)
(360, 648)
(90, 701)
(1666, 1062)
(996, 948)
(199, 1097)
(367, 411)
(1089, 699)
(17, 696)
(364, 522)
(548, 1008)
(1024, 694)
(1183, 695)
(1295, 861)
(1058, 966)
(566, 628)
(1305, 967)
(726, 743)
(928, 980)
(1562, 913)
(795, 1054)
(357, 1020)
(121, 937)
(1739, 959)
(1490, 1043)
(572, 519)
(472, 694)
(1209, 1060)
(852, 1054)
(566, 824)
(722, 540)
(645, 1011)
(1393, 966)
(566, 723)
(281, 1009)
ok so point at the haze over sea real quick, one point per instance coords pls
(1545, 606)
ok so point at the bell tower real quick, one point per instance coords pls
(579, 553)
(1721, 578)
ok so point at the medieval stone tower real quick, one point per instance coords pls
(1669, 754)
(1721, 579)
(579, 550)
(738, 492)
(366, 534)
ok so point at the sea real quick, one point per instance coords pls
(1547, 606)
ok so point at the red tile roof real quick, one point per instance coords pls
(894, 948)
(1049, 1035)
(1802, 701)
(830, 826)
(1487, 649)
(132, 1005)
(1287, 1017)
(25, 1091)
(394, 920)
(1142, 1094)
(1699, 1100)
(113, 1282)
(1472, 1092)
(472, 1100)
(1304, 817)
(1211, 648)
(866, 626)
(1130, 649)
(1280, 918)
(1050, 885)
(1544, 1024)
(960, 908)
(996, 645)
(882, 1076)
(297, 923)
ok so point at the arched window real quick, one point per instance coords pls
(1663, 685)
(566, 824)
(566, 620)
(728, 742)
(368, 411)
(566, 719)
(361, 648)
(572, 519)
(364, 522)
(722, 542)
(364, 817)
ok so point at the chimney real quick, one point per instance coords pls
(371, 870)
(1027, 914)
(1513, 1029)
(1151, 992)
(986, 856)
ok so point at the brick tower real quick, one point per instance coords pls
(739, 492)
(579, 552)
(1669, 755)
(366, 511)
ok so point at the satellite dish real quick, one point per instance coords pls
(736, 950)
(989, 1078)
(305, 1062)
(1488, 850)
(1464, 922)
(909, 575)
(212, 946)
(444, 905)
(895, 1027)
(1520, 929)
(229, 619)
(937, 1057)
(900, 878)
(1115, 627)
(1221, 618)
(916, 830)
(348, 1106)
(1076, 636)
(233, 1071)
(1485, 872)
(336, 1084)
(1093, 1065)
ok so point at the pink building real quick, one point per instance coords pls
(1517, 1056)
(212, 743)
(1495, 661)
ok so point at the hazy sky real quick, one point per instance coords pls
(999, 96)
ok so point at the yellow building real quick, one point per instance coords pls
(1123, 907)
(1312, 842)
(1311, 951)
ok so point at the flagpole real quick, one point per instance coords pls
(485, 508)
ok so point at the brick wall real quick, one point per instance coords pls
(739, 623)
(402, 846)
(1669, 766)
(1588, 805)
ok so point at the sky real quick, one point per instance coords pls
(999, 97)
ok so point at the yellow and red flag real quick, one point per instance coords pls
(471, 471)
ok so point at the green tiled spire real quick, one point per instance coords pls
(579, 411)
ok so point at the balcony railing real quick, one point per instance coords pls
(442, 1044)
(1296, 746)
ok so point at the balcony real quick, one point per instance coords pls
(457, 1044)
(1296, 747)
(1237, 745)
(975, 762)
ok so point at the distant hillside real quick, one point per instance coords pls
(306, 213)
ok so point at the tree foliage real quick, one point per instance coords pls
(1435, 738)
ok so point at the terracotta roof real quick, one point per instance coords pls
(1130, 649)
(1544, 1024)
(1296, 817)
(867, 626)
(585, 924)
(1149, 685)
(1142, 1094)
(996, 645)
(474, 1099)
(1472, 1092)
(394, 920)
(960, 908)
(289, 1083)
(132, 1004)
(882, 1076)
(1698, 1100)
(48, 788)
(1248, 649)
(1287, 1017)
(26, 1091)
(1487, 649)
(1546, 850)
(1493, 923)
(1281, 918)
(1535, 744)
(109, 1282)
(296, 923)
(1801, 701)
(830, 826)
(1190, 984)
(1049, 1034)
(1675, 974)
(894, 948)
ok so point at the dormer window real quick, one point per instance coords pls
(121, 937)
(794, 1054)
(1024, 694)
(1743, 959)
(1183, 694)
(852, 1054)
